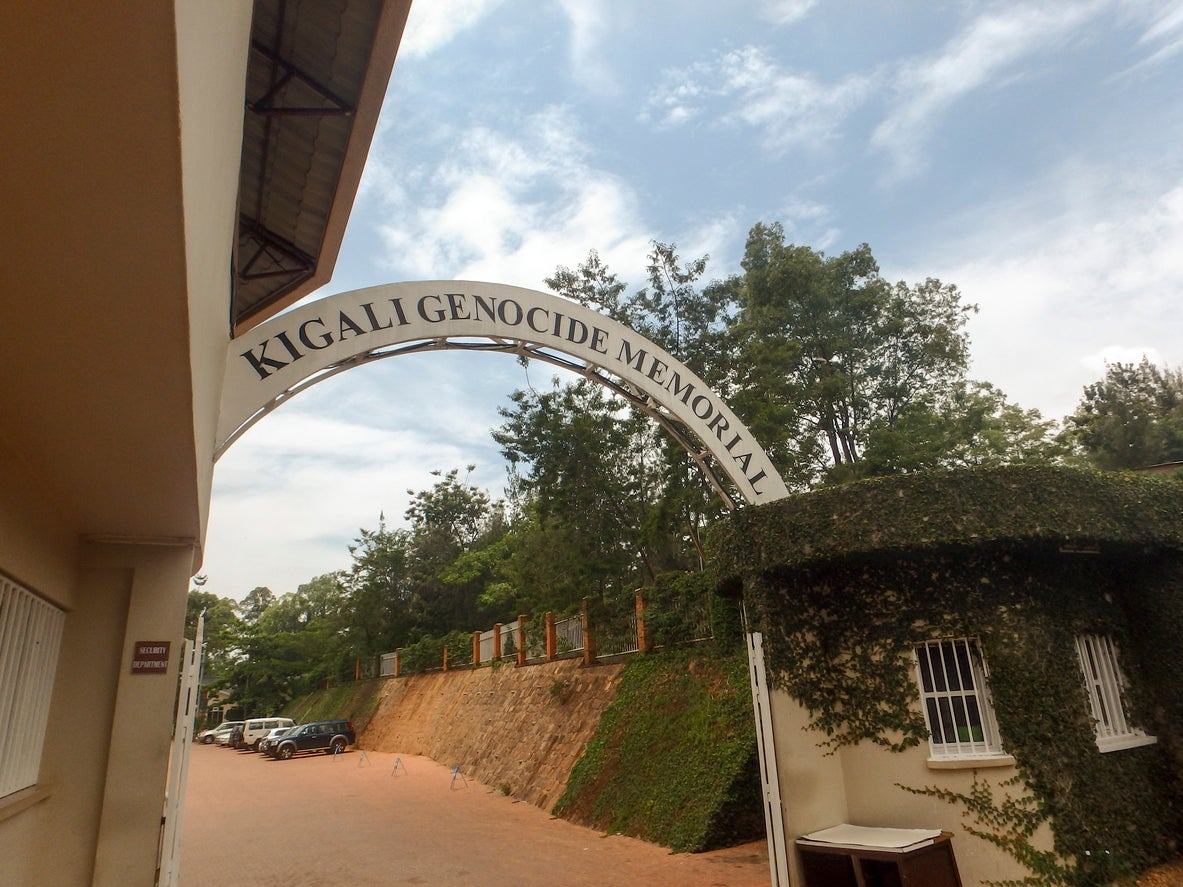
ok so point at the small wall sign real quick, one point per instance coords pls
(150, 657)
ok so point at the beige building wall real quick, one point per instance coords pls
(118, 294)
(860, 785)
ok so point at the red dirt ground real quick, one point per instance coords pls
(362, 821)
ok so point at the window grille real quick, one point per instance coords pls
(1105, 685)
(956, 698)
(30, 635)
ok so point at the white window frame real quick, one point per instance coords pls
(955, 698)
(1105, 686)
(30, 637)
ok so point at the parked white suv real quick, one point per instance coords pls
(209, 737)
(255, 729)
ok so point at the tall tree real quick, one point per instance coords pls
(221, 629)
(257, 600)
(447, 520)
(1131, 418)
(593, 286)
(379, 590)
(973, 425)
(831, 354)
(589, 475)
(295, 645)
(692, 325)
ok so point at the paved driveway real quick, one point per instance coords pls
(361, 821)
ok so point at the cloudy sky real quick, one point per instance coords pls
(1029, 152)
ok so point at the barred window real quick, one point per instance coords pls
(1106, 685)
(956, 697)
(30, 635)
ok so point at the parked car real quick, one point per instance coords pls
(254, 729)
(228, 740)
(209, 737)
(272, 737)
(328, 736)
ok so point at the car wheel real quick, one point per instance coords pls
(255, 747)
(285, 752)
(337, 747)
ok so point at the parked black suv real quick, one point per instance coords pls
(327, 736)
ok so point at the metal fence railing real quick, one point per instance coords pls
(511, 639)
(617, 636)
(569, 634)
(609, 631)
(387, 664)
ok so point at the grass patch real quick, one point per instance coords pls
(356, 701)
(674, 761)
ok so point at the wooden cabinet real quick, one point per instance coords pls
(929, 863)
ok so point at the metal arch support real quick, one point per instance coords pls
(276, 360)
(519, 348)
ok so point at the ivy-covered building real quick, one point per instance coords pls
(994, 652)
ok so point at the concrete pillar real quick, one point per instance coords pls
(642, 639)
(589, 636)
(141, 727)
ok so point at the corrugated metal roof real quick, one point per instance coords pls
(315, 81)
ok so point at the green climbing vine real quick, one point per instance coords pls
(844, 582)
(1009, 824)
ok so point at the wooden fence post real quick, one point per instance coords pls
(522, 638)
(398, 661)
(445, 658)
(476, 649)
(552, 641)
(496, 641)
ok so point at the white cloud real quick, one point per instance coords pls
(785, 12)
(291, 495)
(294, 491)
(987, 52)
(1095, 363)
(512, 208)
(1064, 291)
(807, 221)
(1163, 34)
(1166, 25)
(590, 27)
(432, 25)
(789, 109)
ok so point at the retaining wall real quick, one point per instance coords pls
(520, 729)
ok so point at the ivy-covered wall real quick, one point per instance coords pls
(674, 758)
(842, 583)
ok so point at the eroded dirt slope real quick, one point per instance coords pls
(518, 729)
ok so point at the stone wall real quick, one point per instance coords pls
(519, 729)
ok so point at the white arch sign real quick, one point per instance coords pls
(276, 360)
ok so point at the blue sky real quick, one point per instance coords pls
(1029, 152)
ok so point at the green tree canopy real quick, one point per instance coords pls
(842, 374)
(838, 372)
(1131, 418)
